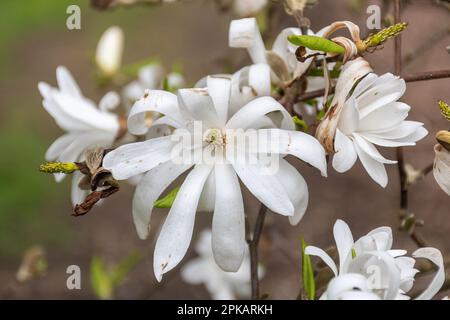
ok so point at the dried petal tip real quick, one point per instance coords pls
(58, 167)
(445, 109)
(443, 137)
(382, 36)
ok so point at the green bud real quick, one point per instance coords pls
(58, 167)
(382, 36)
(445, 109)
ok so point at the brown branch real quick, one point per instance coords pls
(421, 76)
(253, 248)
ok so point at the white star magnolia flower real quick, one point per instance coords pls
(221, 285)
(373, 116)
(370, 269)
(247, 8)
(216, 182)
(151, 77)
(441, 168)
(244, 33)
(108, 55)
(86, 125)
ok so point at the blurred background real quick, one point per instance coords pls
(35, 211)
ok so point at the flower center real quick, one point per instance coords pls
(214, 138)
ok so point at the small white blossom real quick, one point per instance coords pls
(370, 269)
(86, 125)
(441, 168)
(108, 56)
(220, 284)
(284, 192)
(247, 8)
(373, 116)
(244, 33)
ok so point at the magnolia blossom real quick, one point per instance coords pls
(108, 56)
(214, 182)
(151, 77)
(221, 285)
(244, 33)
(247, 8)
(441, 168)
(371, 116)
(370, 269)
(87, 126)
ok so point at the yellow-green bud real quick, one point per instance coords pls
(445, 109)
(58, 167)
(382, 36)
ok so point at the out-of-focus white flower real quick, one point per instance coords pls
(108, 56)
(370, 267)
(441, 168)
(244, 33)
(220, 284)
(86, 125)
(284, 191)
(152, 77)
(247, 8)
(373, 116)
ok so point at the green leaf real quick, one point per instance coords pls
(100, 280)
(353, 253)
(121, 270)
(300, 124)
(166, 202)
(307, 274)
(316, 43)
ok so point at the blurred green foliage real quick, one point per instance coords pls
(105, 280)
(24, 191)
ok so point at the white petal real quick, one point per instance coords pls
(434, 256)
(296, 188)
(82, 110)
(135, 158)
(256, 109)
(387, 116)
(244, 33)
(153, 101)
(108, 55)
(369, 148)
(228, 225)
(315, 251)
(176, 233)
(247, 84)
(383, 92)
(67, 83)
(195, 271)
(151, 76)
(59, 145)
(151, 186)
(298, 144)
(208, 196)
(349, 118)
(375, 169)
(340, 287)
(109, 101)
(265, 187)
(344, 242)
(77, 195)
(364, 85)
(219, 91)
(196, 104)
(441, 168)
(345, 156)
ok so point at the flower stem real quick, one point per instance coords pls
(253, 248)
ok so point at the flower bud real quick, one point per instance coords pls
(108, 56)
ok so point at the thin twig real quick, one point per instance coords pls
(421, 76)
(253, 248)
